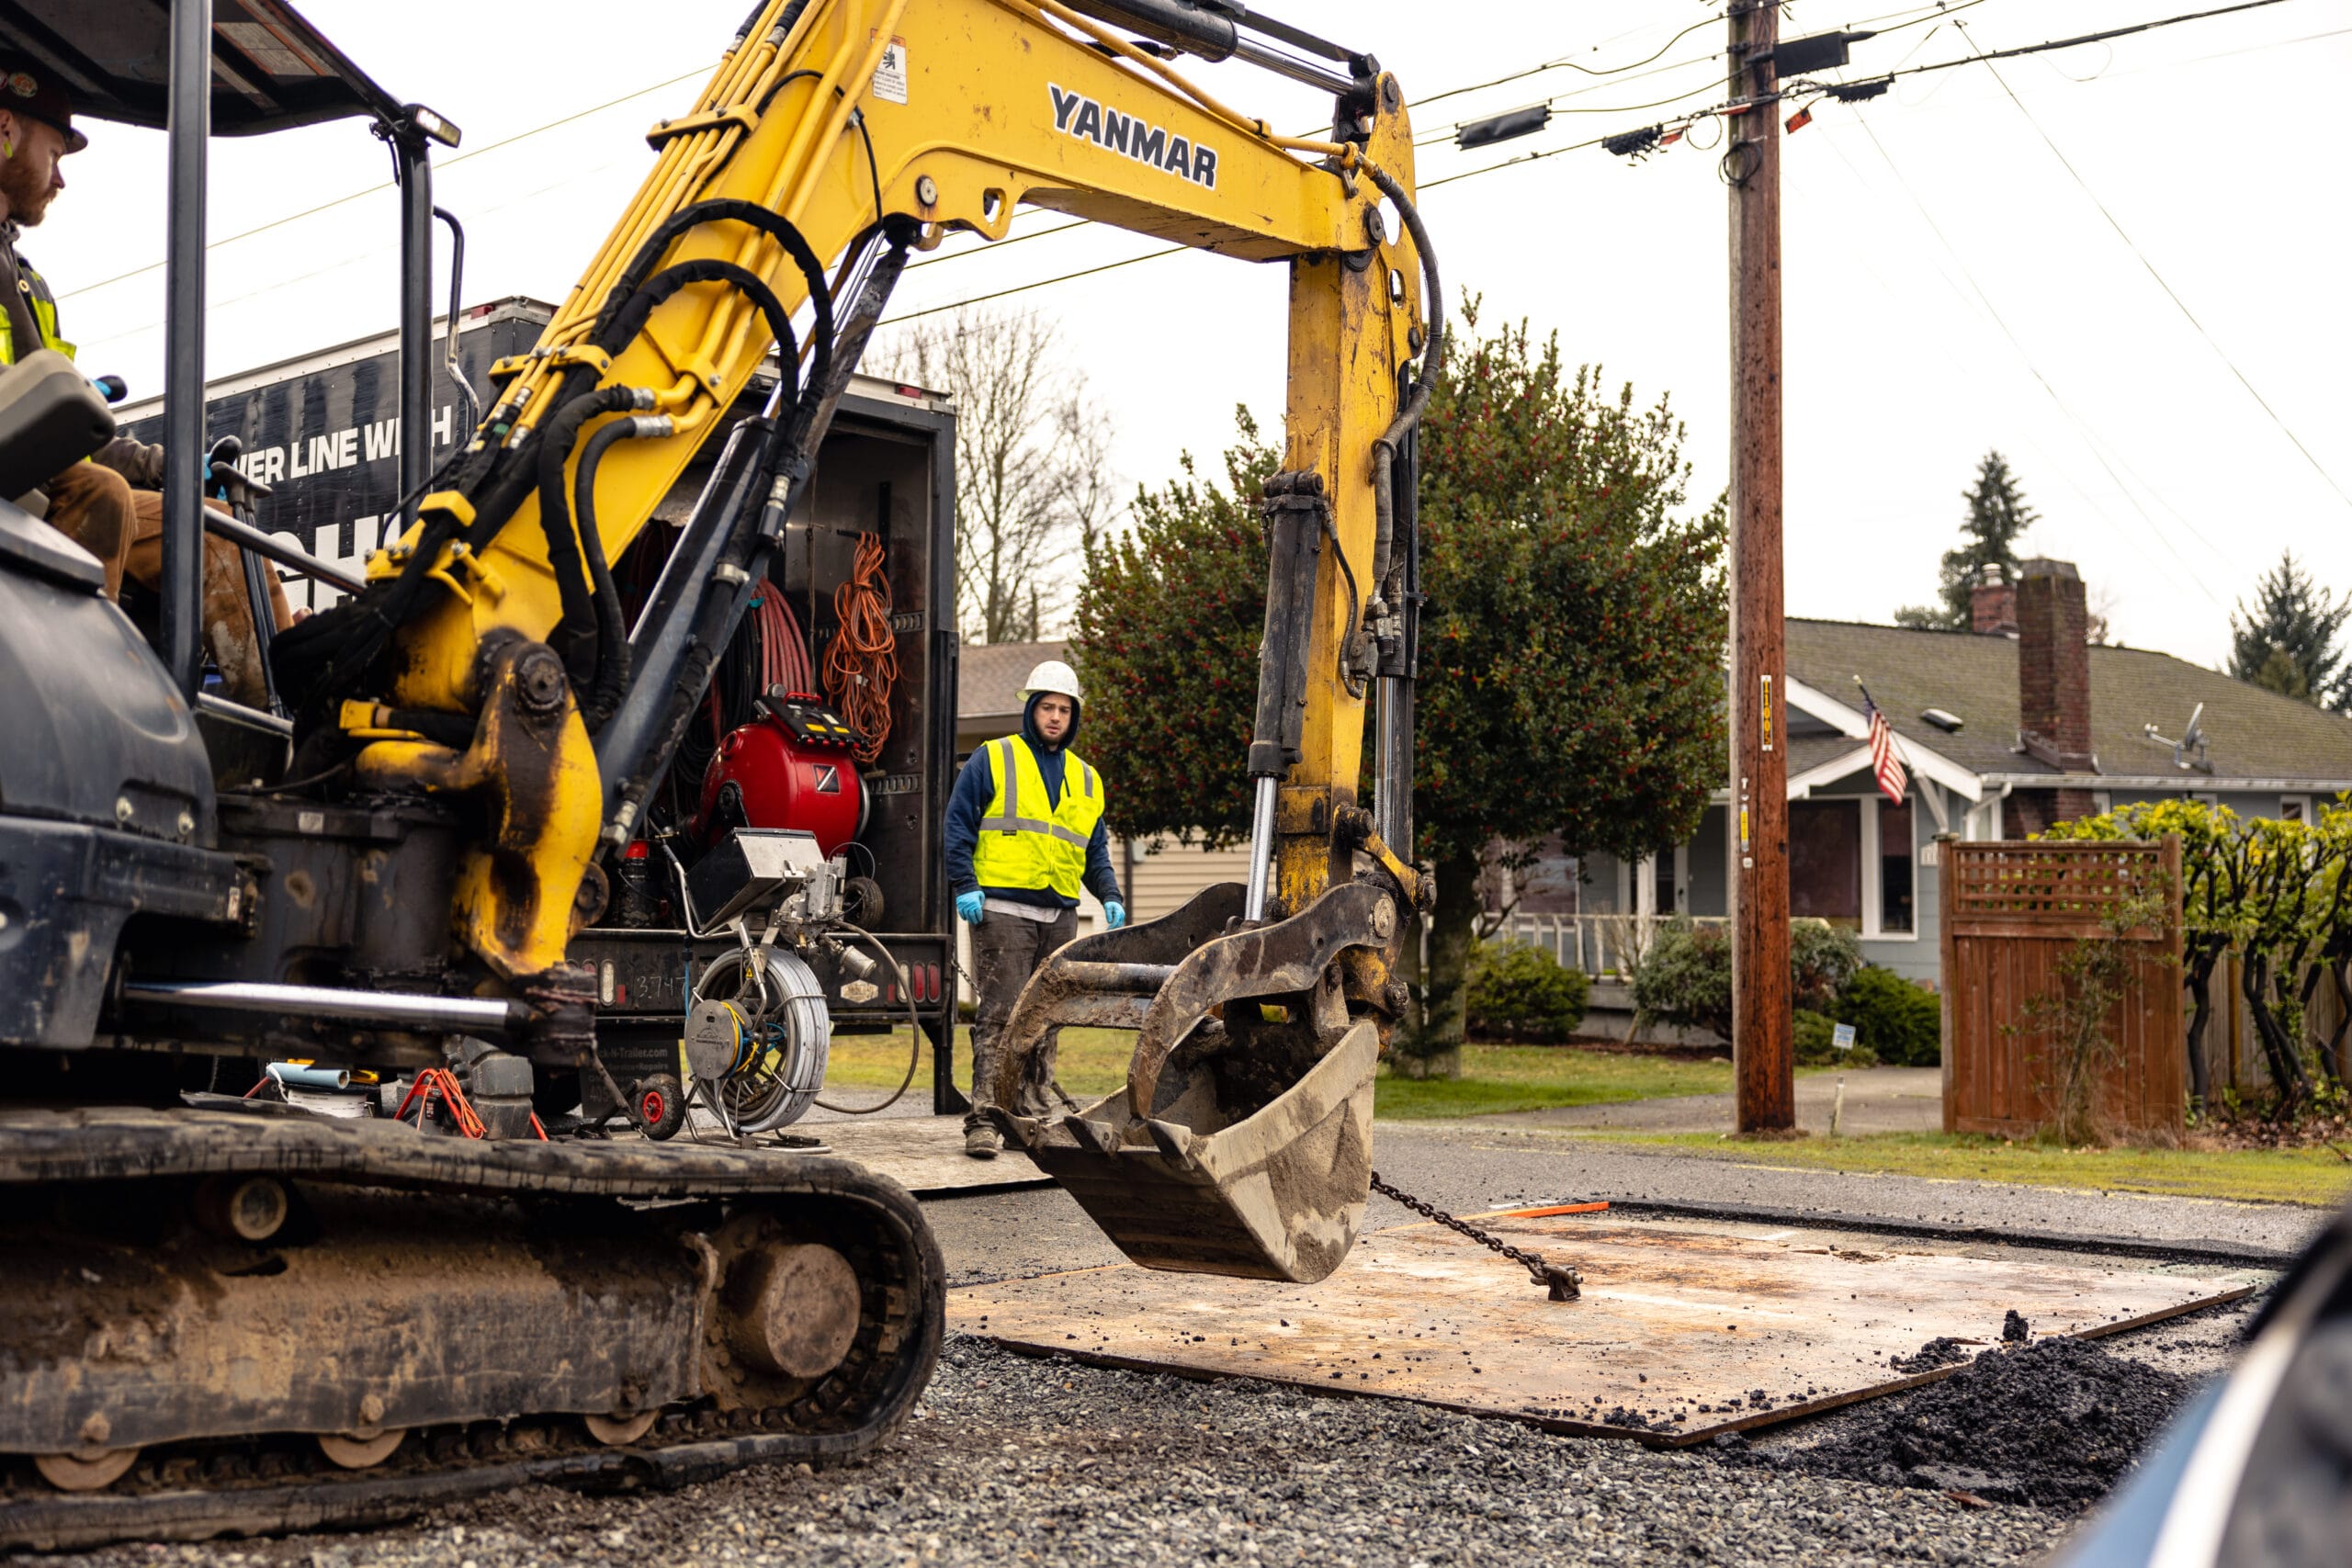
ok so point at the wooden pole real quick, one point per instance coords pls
(1761, 1045)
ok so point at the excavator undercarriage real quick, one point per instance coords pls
(225, 1315)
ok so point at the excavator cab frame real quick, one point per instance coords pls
(197, 69)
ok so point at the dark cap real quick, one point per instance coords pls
(30, 89)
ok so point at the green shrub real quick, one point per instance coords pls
(1519, 992)
(1901, 1021)
(1812, 1035)
(1686, 979)
(1822, 959)
(1816, 1044)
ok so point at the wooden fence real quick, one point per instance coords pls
(2012, 912)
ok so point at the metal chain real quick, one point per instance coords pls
(1563, 1282)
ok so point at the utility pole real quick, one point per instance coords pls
(1759, 828)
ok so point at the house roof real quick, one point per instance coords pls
(2251, 734)
(989, 676)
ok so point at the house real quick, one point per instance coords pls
(2006, 730)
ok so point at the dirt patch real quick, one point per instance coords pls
(2053, 1423)
(2257, 1127)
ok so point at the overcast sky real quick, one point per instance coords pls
(1949, 286)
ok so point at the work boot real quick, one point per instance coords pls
(981, 1142)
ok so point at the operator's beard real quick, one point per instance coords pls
(28, 194)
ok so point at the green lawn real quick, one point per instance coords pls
(2319, 1177)
(1533, 1077)
(1495, 1078)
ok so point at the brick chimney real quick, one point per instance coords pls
(2053, 693)
(1992, 603)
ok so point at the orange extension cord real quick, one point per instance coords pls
(861, 661)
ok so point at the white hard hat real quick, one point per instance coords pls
(1053, 675)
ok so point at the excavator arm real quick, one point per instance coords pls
(488, 658)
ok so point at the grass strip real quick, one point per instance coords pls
(2318, 1177)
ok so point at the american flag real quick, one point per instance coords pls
(1893, 780)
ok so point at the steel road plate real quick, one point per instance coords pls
(1686, 1328)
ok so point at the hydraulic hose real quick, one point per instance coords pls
(1383, 448)
(722, 211)
(629, 320)
(572, 581)
(612, 633)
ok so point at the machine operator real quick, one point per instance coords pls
(1024, 833)
(111, 504)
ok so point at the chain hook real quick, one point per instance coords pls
(1561, 1282)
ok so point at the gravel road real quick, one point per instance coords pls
(1011, 1460)
(1015, 1460)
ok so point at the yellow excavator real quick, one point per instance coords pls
(220, 1315)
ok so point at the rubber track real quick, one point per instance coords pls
(66, 1521)
(134, 1145)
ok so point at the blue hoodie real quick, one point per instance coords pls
(976, 787)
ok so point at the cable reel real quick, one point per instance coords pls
(758, 1037)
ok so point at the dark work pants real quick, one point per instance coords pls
(1007, 950)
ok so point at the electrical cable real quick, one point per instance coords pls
(914, 1027)
(873, 168)
(862, 661)
(2170, 293)
(447, 163)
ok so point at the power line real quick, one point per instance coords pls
(387, 184)
(1041, 283)
(1566, 65)
(1853, 92)
(2089, 438)
(2182, 305)
(1935, 13)
(2075, 43)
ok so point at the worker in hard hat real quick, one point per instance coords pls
(1024, 833)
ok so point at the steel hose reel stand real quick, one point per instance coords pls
(757, 1038)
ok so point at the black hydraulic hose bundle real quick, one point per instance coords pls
(331, 655)
(1409, 416)
(612, 631)
(736, 525)
(622, 297)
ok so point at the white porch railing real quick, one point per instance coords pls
(1595, 943)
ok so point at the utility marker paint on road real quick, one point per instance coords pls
(1685, 1329)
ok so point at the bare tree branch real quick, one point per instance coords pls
(1033, 487)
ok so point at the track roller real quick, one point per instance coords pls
(84, 1470)
(355, 1451)
(618, 1431)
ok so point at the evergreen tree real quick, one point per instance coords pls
(1997, 514)
(2286, 641)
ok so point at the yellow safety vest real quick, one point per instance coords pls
(35, 289)
(1019, 845)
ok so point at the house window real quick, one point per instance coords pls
(1895, 868)
(1825, 860)
(1662, 866)
(2294, 808)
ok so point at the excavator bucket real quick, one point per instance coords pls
(1251, 1153)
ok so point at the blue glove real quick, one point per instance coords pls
(970, 907)
(1115, 913)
